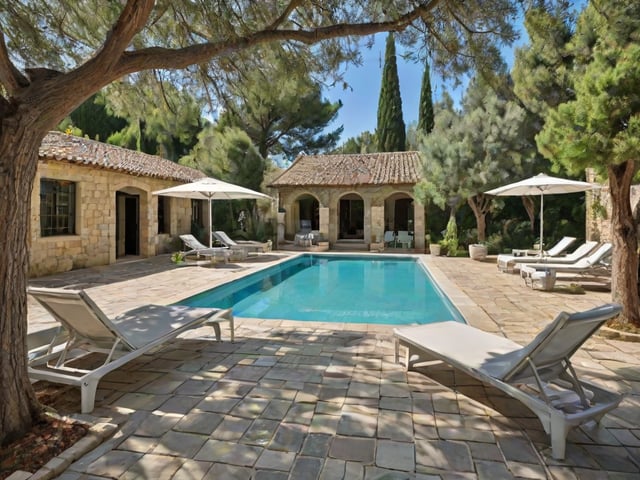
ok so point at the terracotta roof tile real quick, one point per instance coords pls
(60, 146)
(389, 168)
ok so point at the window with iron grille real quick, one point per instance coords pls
(57, 207)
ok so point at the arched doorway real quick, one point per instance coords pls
(127, 224)
(351, 217)
(399, 212)
(308, 211)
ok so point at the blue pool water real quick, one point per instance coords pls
(326, 288)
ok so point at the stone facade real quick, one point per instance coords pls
(598, 209)
(378, 180)
(102, 184)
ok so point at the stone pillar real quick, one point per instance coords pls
(281, 220)
(324, 222)
(418, 227)
(377, 224)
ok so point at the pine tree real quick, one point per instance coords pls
(391, 131)
(425, 111)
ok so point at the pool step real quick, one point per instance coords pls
(350, 246)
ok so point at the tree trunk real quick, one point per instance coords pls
(480, 204)
(530, 208)
(19, 144)
(624, 275)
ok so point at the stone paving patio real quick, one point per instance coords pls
(304, 400)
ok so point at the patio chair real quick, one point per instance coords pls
(87, 330)
(540, 374)
(194, 247)
(405, 239)
(389, 238)
(511, 263)
(594, 265)
(305, 236)
(558, 249)
(247, 245)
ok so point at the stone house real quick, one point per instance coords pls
(92, 205)
(352, 198)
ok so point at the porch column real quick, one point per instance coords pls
(324, 222)
(418, 227)
(377, 224)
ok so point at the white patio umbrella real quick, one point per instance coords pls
(542, 185)
(211, 189)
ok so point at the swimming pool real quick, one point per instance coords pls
(336, 288)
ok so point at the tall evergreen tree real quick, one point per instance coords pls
(425, 111)
(391, 131)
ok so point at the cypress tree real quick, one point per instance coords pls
(391, 131)
(425, 110)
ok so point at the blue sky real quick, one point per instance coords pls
(360, 102)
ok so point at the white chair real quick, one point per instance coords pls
(540, 374)
(404, 239)
(389, 238)
(87, 330)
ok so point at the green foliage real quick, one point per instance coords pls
(450, 240)
(282, 120)
(601, 127)
(177, 257)
(95, 121)
(366, 142)
(542, 69)
(391, 129)
(164, 122)
(472, 151)
(425, 109)
(228, 155)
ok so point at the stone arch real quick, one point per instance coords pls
(399, 211)
(307, 208)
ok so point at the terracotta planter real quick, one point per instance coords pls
(477, 251)
(434, 249)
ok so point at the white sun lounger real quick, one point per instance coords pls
(248, 245)
(87, 330)
(509, 263)
(558, 249)
(593, 265)
(540, 374)
(199, 250)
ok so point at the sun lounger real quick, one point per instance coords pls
(594, 265)
(194, 247)
(247, 245)
(558, 249)
(87, 330)
(510, 263)
(540, 374)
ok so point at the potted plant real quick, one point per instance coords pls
(478, 251)
(177, 258)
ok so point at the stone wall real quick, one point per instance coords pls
(598, 209)
(329, 199)
(94, 242)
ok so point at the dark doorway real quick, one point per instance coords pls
(351, 218)
(127, 224)
(403, 214)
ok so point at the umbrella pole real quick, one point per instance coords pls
(541, 221)
(210, 223)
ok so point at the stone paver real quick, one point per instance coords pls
(298, 400)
